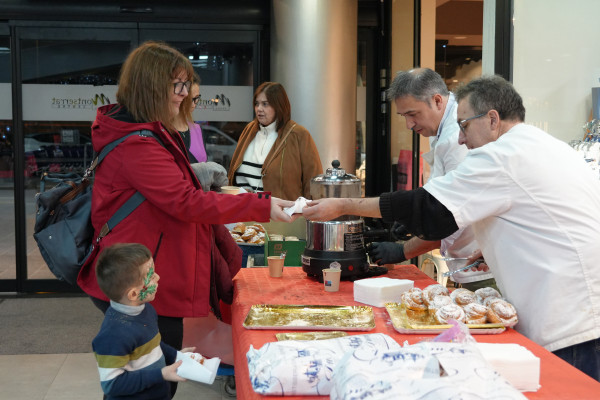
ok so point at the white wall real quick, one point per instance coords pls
(556, 62)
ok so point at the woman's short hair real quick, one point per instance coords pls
(278, 99)
(145, 83)
(119, 268)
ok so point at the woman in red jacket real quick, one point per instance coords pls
(176, 219)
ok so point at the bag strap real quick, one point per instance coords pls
(134, 201)
(110, 147)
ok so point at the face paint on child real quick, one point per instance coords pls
(148, 288)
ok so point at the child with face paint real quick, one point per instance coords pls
(132, 359)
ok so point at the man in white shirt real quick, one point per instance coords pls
(422, 98)
(534, 205)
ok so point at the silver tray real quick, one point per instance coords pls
(422, 322)
(305, 317)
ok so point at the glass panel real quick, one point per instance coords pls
(459, 36)
(64, 82)
(7, 166)
(361, 113)
(226, 90)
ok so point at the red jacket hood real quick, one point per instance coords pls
(106, 129)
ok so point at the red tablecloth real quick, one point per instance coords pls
(558, 379)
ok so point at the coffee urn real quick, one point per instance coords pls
(341, 239)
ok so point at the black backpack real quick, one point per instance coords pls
(63, 228)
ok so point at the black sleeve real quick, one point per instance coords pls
(422, 214)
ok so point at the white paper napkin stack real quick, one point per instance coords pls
(515, 363)
(378, 291)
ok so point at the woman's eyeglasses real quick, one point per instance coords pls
(195, 100)
(178, 86)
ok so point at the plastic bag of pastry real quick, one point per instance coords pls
(459, 333)
(304, 367)
(427, 370)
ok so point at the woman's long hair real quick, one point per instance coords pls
(278, 99)
(145, 83)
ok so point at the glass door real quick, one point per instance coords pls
(8, 264)
(64, 74)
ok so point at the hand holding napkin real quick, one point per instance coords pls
(299, 204)
(198, 368)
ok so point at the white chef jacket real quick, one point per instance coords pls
(534, 206)
(444, 156)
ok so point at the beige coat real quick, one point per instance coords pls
(290, 165)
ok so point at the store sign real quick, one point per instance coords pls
(65, 102)
(225, 103)
(80, 102)
(5, 101)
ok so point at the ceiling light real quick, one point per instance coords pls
(460, 37)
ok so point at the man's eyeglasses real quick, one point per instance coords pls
(461, 124)
(178, 86)
(195, 100)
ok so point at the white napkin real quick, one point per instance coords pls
(299, 204)
(515, 363)
(378, 291)
(191, 368)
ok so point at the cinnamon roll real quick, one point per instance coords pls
(501, 311)
(434, 290)
(485, 293)
(462, 296)
(438, 302)
(413, 299)
(475, 313)
(450, 311)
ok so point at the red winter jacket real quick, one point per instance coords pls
(176, 217)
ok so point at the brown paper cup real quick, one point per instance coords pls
(230, 189)
(275, 266)
(331, 279)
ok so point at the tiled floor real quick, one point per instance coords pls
(75, 377)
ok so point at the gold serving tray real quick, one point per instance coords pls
(300, 317)
(422, 322)
(321, 335)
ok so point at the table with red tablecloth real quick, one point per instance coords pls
(558, 379)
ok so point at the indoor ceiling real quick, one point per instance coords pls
(459, 22)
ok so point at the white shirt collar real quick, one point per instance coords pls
(447, 113)
(129, 310)
(268, 129)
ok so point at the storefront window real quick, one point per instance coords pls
(63, 84)
(7, 194)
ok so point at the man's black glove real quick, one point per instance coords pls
(386, 252)
(399, 232)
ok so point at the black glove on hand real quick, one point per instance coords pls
(386, 252)
(399, 232)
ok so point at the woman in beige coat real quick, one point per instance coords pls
(274, 153)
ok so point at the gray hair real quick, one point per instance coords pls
(421, 83)
(493, 93)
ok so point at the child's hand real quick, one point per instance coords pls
(188, 349)
(169, 372)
